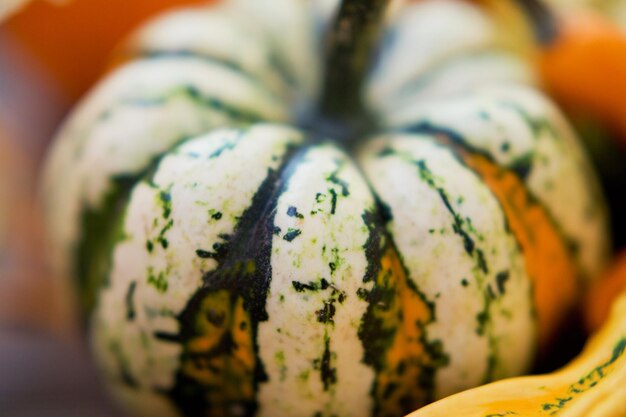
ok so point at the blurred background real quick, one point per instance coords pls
(51, 51)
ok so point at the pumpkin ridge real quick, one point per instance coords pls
(192, 93)
(93, 222)
(464, 231)
(228, 64)
(93, 256)
(477, 311)
(203, 28)
(233, 360)
(549, 259)
(106, 222)
(78, 139)
(189, 91)
(454, 141)
(416, 84)
(393, 329)
(521, 130)
(310, 344)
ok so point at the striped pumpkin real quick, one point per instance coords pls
(229, 264)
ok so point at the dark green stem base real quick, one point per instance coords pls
(350, 42)
(542, 19)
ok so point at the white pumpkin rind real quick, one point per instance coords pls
(201, 194)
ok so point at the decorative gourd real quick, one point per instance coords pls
(592, 385)
(427, 221)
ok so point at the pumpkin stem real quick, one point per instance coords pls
(350, 43)
(542, 18)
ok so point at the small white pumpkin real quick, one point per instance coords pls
(229, 264)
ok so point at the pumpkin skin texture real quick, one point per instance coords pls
(230, 264)
(592, 385)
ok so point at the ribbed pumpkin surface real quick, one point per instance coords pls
(229, 264)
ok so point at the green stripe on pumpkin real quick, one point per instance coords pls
(220, 367)
(393, 330)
